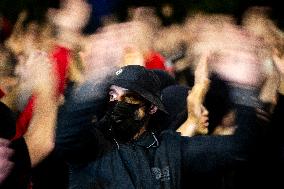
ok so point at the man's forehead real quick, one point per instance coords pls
(117, 88)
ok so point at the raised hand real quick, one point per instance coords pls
(279, 63)
(73, 15)
(199, 90)
(15, 41)
(193, 124)
(38, 72)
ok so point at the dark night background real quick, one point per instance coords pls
(37, 8)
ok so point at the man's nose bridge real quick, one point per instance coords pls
(205, 112)
(118, 97)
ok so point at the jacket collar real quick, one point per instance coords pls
(148, 140)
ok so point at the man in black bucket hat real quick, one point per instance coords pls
(135, 96)
(120, 151)
(142, 81)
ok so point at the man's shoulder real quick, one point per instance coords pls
(170, 132)
(170, 136)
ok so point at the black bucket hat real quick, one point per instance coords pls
(142, 81)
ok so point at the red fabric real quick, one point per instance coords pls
(155, 61)
(1, 93)
(24, 118)
(6, 28)
(61, 56)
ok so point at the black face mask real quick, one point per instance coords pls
(124, 122)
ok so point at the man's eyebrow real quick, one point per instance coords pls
(126, 90)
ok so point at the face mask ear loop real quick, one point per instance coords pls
(116, 144)
(155, 142)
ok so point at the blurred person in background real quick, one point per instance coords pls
(171, 43)
(122, 137)
(20, 155)
(8, 81)
(257, 20)
(242, 63)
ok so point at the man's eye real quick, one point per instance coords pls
(131, 100)
(112, 96)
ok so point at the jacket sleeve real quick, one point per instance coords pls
(207, 154)
(20, 174)
(8, 122)
(76, 136)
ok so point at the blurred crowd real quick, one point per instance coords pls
(57, 82)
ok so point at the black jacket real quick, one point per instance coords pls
(20, 175)
(164, 161)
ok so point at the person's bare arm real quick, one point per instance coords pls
(279, 63)
(41, 132)
(195, 99)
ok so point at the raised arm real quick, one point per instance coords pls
(38, 141)
(195, 99)
(76, 129)
(205, 154)
(40, 135)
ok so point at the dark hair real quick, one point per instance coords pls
(142, 81)
(7, 67)
(174, 100)
(217, 101)
(165, 78)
